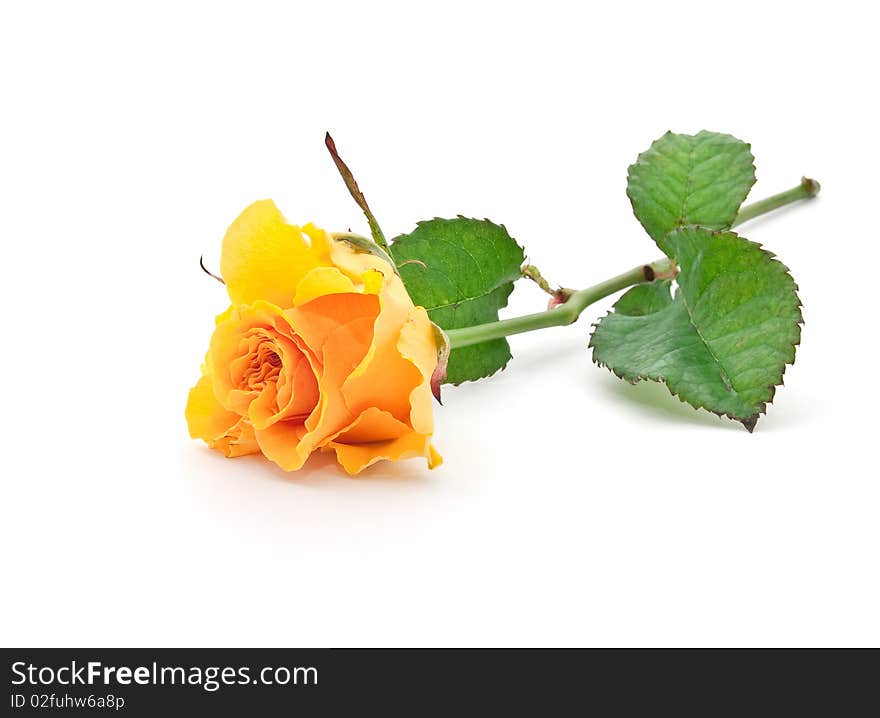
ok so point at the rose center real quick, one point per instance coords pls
(264, 367)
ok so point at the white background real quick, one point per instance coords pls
(572, 509)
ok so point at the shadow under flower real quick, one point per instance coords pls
(322, 470)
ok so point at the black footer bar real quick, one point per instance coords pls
(265, 682)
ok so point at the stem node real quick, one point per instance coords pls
(811, 187)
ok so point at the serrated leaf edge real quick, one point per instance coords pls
(490, 374)
(641, 161)
(748, 422)
(513, 281)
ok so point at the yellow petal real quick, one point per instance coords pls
(354, 458)
(264, 257)
(342, 351)
(386, 379)
(218, 428)
(321, 281)
(337, 329)
(376, 435)
(282, 444)
(373, 281)
(355, 264)
(205, 417)
(434, 458)
(227, 350)
(260, 368)
(314, 321)
(318, 238)
(417, 343)
(371, 426)
(238, 441)
(225, 316)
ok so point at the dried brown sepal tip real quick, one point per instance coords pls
(443, 350)
(810, 186)
(558, 296)
(205, 270)
(346, 173)
(530, 271)
(355, 192)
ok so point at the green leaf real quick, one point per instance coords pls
(645, 299)
(462, 271)
(723, 342)
(690, 179)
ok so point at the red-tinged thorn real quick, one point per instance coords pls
(439, 375)
(435, 390)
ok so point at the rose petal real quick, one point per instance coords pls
(372, 425)
(354, 458)
(282, 443)
(220, 429)
(320, 282)
(383, 365)
(418, 344)
(342, 350)
(264, 257)
(377, 435)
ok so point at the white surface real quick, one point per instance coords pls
(572, 509)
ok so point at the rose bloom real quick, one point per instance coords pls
(322, 348)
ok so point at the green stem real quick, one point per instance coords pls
(564, 314)
(806, 189)
(569, 312)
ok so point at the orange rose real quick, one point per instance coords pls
(322, 348)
